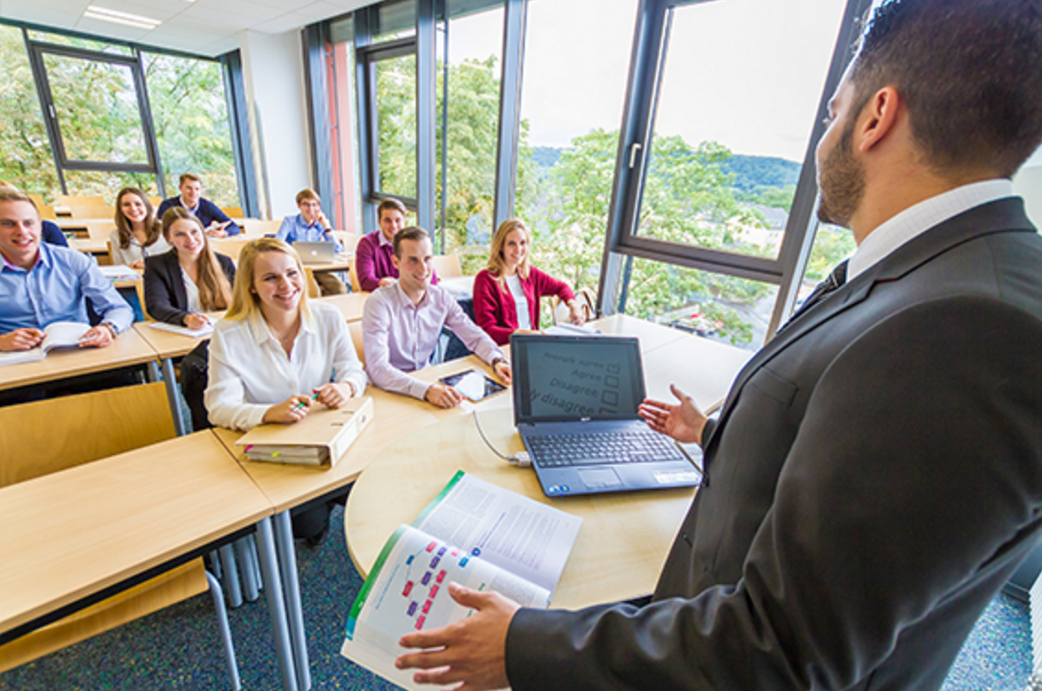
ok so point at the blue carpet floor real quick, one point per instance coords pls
(179, 647)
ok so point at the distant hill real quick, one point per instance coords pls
(546, 156)
(753, 172)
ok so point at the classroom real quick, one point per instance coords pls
(649, 167)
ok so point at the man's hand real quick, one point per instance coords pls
(20, 339)
(502, 370)
(293, 409)
(216, 229)
(683, 422)
(334, 395)
(386, 281)
(472, 650)
(98, 337)
(443, 396)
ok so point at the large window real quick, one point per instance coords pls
(571, 106)
(116, 116)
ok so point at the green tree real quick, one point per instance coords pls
(687, 200)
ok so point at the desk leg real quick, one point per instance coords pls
(291, 586)
(248, 572)
(172, 397)
(276, 606)
(230, 569)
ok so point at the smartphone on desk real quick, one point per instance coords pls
(473, 384)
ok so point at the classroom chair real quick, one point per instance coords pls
(355, 328)
(447, 265)
(47, 213)
(31, 445)
(232, 211)
(230, 247)
(349, 241)
(352, 271)
(256, 228)
(99, 230)
(587, 298)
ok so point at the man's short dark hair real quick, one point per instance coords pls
(393, 204)
(307, 193)
(185, 177)
(971, 74)
(411, 233)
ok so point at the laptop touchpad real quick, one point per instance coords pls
(599, 478)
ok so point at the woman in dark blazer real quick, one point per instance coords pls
(189, 280)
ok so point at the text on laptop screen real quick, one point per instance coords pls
(572, 379)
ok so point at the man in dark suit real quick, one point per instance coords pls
(215, 222)
(875, 475)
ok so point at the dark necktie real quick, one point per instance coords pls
(835, 280)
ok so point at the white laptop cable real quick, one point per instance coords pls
(521, 459)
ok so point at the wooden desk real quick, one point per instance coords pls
(350, 305)
(89, 245)
(621, 546)
(634, 529)
(75, 534)
(128, 349)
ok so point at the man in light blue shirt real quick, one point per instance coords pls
(311, 225)
(41, 283)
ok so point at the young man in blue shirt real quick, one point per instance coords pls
(215, 222)
(311, 225)
(41, 283)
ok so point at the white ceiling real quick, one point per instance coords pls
(204, 27)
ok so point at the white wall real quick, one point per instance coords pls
(1028, 184)
(273, 75)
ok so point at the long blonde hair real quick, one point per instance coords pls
(496, 263)
(153, 228)
(245, 303)
(215, 293)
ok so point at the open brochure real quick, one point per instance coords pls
(473, 533)
(571, 330)
(55, 335)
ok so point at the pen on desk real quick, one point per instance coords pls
(304, 404)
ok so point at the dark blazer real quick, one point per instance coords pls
(51, 233)
(874, 478)
(207, 213)
(165, 297)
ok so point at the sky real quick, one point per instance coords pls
(746, 73)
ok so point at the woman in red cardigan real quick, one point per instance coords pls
(507, 291)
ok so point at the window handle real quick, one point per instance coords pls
(634, 150)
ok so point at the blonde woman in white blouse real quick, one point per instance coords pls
(274, 349)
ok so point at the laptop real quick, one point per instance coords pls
(315, 252)
(575, 407)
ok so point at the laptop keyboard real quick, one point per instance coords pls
(632, 446)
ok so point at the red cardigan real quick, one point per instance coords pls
(494, 307)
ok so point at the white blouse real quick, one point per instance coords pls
(134, 251)
(250, 372)
(524, 318)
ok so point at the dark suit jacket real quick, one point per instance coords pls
(207, 213)
(165, 297)
(874, 478)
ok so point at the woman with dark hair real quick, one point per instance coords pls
(190, 279)
(138, 233)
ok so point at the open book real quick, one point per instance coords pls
(55, 335)
(183, 330)
(321, 438)
(473, 533)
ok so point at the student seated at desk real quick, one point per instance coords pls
(311, 225)
(374, 255)
(138, 233)
(402, 323)
(507, 291)
(49, 231)
(190, 279)
(41, 283)
(215, 222)
(275, 351)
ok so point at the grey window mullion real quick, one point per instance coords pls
(50, 120)
(514, 24)
(426, 104)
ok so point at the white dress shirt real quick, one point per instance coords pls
(400, 337)
(917, 219)
(250, 372)
(134, 251)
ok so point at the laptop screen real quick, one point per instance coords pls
(564, 378)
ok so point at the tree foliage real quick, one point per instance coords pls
(98, 114)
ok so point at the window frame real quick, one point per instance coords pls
(647, 66)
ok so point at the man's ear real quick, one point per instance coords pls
(878, 118)
(394, 260)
